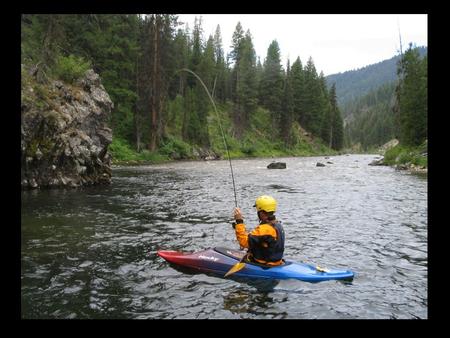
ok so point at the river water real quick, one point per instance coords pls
(91, 252)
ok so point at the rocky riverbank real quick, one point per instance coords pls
(413, 160)
(64, 132)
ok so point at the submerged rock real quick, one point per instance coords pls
(277, 165)
(64, 133)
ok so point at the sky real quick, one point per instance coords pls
(336, 42)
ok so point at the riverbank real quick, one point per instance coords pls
(413, 159)
(175, 150)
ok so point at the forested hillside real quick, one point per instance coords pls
(161, 110)
(353, 84)
(370, 119)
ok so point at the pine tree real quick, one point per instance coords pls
(44, 35)
(287, 108)
(313, 100)
(156, 68)
(258, 76)
(248, 87)
(332, 123)
(207, 72)
(202, 63)
(236, 81)
(182, 57)
(244, 86)
(220, 81)
(412, 98)
(337, 128)
(298, 89)
(326, 131)
(117, 67)
(271, 89)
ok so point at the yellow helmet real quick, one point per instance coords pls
(266, 203)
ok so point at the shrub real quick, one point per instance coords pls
(149, 156)
(121, 150)
(70, 68)
(175, 148)
(391, 154)
(403, 155)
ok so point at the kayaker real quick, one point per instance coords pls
(266, 242)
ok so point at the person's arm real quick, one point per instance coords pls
(239, 227)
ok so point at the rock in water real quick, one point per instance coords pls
(319, 164)
(277, 165)
(377, 162)
(64, 133)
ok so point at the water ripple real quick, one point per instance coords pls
(91, 253)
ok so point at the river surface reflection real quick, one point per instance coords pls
(91, 252)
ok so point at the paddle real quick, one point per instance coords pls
(320, 269)
(238, 266)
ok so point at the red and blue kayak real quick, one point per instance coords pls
(220, 260)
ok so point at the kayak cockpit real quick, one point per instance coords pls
(236, 254)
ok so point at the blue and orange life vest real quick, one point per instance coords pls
(265, 242)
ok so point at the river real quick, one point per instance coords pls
(91, 252)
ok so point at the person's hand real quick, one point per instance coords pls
(237, 214)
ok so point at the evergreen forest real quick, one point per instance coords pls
(393, 109)
(162, 110)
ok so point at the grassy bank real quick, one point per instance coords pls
(173, 149)
(407, 156)
(124, 154)
(258, 140)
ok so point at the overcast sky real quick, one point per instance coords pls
(336, 42)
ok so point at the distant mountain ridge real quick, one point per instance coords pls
(356, 83)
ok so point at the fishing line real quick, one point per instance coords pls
(221, 130)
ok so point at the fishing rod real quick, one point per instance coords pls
(221, 130)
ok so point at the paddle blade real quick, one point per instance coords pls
(235, 268)
(318, 268)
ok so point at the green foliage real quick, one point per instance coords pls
(257, 140)
(169, 111)
(370, 120)
(315, 99)
(337, 141)
(412, 97)
(152, 156)
(70, 68)
(244, 86)
(356, 83)
(271, 87)
(401, 154)
(175, 148)
(32, 32)
(123, 153)
(175, 113)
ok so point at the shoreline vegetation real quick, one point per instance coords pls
(413, 159)
(124, 154)
(159, 112)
